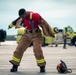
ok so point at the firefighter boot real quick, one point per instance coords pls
(14, 68)
(42, 69)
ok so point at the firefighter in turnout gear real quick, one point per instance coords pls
(31, 21)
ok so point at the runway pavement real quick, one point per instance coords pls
(28, 64)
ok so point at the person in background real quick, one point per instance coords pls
(65, 38)
(56, 40)
(65, 41)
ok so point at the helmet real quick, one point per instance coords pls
(62, 68)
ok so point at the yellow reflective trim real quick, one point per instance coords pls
(40, 61)
(53, 31)
(31, 16)
(15, 59)
(11, 25)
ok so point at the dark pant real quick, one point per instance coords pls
(65, 42)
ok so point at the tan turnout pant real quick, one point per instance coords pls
(26, 40)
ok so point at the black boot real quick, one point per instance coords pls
(42, 69)
(14, 68)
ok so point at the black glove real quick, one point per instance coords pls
(14, 22)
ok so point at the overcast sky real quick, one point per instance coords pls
(58, 13)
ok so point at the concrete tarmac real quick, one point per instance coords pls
(28, 65)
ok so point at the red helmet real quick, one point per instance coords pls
(62, 68)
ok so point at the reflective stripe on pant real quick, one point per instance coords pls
(24, 43)
(41, 62)
(15, 59)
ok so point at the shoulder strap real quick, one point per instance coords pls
(31, 15)
(31, 21)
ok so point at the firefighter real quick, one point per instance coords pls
(31, 22)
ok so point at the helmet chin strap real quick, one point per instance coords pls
(69, 70)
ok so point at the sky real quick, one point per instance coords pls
(58, 13)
